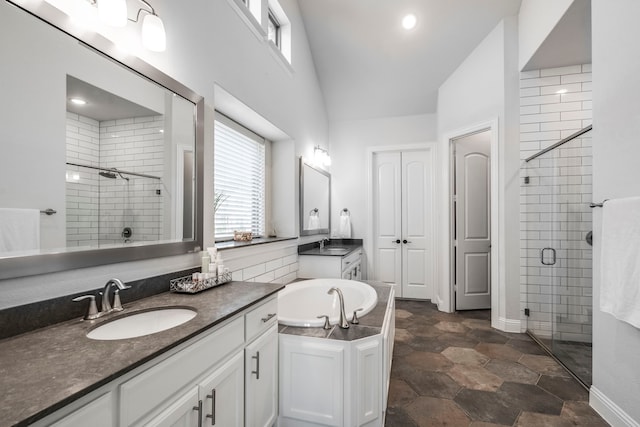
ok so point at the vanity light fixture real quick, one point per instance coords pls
(321, 156)
(78, 101)
(409, 21)
(114, 13)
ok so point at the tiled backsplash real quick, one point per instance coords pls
(554, 208)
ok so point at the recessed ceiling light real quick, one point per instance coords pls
(561, 91)
(78, 101)
(409, 21)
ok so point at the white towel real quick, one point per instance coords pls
(314, 222)
(344, 228)
(19, 229)
(620, 268)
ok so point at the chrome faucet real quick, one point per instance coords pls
(107, 308)
(322, 242)
(343, 318)
(106, 303)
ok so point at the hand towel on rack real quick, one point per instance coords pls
(344, 228)
(19, 229)
(314, 222)
(620, 260)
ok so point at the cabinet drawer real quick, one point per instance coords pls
(260, 318)
(351, 259)
(145, 392)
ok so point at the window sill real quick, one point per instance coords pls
(279, 56)
(232, 244)
(247, 17)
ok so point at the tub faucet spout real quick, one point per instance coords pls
(343, 318)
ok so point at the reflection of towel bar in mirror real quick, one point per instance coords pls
(49, 211)
(119, 171)
(597, 205)
(313, 212)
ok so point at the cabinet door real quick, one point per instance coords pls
(222, 394)
(261, 380)
(98, 413)
(182, 412)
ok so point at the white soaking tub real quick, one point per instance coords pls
(300, 303)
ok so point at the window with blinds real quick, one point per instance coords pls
(240, 175)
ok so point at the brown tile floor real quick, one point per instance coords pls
(455, 370)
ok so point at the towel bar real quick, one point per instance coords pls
(597, 205)
(49, 211)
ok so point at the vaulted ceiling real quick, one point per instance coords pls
(369, 66)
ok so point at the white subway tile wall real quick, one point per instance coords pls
(135, 145)
(554, 212)
(83, 147)
(273, 266)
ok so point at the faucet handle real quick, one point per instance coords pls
(92, 312)
(327, 325)
(117, 304)
(354, 319)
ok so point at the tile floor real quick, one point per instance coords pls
(455, 370)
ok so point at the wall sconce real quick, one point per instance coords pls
(114, 13)
(321, 156)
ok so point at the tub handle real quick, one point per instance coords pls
(327, 325)
(354, 319)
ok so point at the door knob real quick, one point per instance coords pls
(396, 241)
(405, 241)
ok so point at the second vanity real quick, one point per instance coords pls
(221, 366)
(339, 258)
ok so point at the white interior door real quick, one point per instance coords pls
(387, 202)
(472, 235)
(417, 224)
(403, 221)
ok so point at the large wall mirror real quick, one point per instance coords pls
(100, 160)
(315, 200)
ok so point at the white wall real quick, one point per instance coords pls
(208, 44)
(536, 20)
(349, 141)
(484, 89)
(616, 112)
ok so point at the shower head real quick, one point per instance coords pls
(106, 174)
(112, 174)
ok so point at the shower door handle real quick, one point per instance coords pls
(553, 259)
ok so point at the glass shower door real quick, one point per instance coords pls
(558, 257)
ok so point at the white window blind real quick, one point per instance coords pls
(239, 180)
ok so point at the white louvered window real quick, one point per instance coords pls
(240, 175)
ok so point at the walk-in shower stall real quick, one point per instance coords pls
(557, 262)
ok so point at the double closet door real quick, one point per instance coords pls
(403, 216)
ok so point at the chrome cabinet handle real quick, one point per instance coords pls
(212, 396)
(397, 241)
(405, 241)
(199, 409)
(269, 317)
(257, 371)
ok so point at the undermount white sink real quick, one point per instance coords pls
(142, 323)
(333, 249)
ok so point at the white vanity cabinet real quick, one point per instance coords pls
(324, 266)
(211, 377)
(98, 413)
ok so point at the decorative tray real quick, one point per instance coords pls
(189, 285)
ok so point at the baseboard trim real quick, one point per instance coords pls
(508, 325)
(608, 410)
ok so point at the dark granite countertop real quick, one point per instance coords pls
(43, 370)
(370, 324)
(335, 247)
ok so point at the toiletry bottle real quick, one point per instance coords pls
(206, 260)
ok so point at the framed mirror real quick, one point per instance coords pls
(315, 200)
(100, 160)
